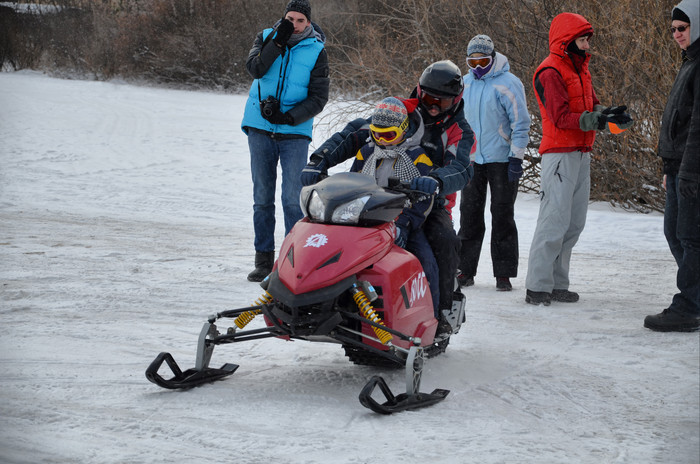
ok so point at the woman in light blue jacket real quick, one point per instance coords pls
(495, 107)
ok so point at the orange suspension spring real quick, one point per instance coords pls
(368, 311)
(243, 319)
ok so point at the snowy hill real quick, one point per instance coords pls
(126, 219)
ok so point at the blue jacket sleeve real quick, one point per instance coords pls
(513, 101)
(344, 145)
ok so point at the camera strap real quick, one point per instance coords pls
(280, 79)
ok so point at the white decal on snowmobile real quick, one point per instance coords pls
(419, 285)
(316, 240)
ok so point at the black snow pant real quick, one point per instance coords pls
(504, 233)
(445, 244)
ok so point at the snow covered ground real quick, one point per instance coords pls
(126, 219)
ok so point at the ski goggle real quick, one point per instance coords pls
(388, 135)
(479, 61)
(443, 103)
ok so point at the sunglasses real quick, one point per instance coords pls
(679, 29)
(388, 135)
(443, 103)
(479, 61)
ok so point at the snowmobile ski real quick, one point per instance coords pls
(402, 402)
(187, 379)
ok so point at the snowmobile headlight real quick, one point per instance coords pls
(316, 207)
(349, 213)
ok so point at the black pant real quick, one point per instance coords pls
(445, 244)
(504, 233)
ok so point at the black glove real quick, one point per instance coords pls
(425, 184)
(515, 169)
(284, 32)
(688, 188)
(615, 109)
(313, 171)
(623, 120)
(278, 117)
(401, 236)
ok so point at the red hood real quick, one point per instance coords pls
(565, 28)
(410, 103)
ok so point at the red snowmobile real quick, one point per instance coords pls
(340, 278)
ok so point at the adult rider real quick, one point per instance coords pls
(448, 141)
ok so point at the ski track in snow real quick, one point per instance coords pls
(126, 219)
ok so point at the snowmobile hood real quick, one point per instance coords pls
(315, 256)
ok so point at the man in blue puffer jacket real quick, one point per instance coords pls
(495, 107)
(290, 67)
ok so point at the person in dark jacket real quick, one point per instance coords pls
(394, 151)
(447, 140)
(290, 67)
(679, 148)
(571, 114)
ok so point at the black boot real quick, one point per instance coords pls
(672, 321)
(564, 296)
(537, 298)
(263, 265)
(444, 329)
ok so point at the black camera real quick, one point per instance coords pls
(269, 106)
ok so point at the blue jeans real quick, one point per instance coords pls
(419, 246)
(265, 153)
(682, 230)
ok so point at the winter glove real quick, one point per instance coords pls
(401, 236)
(592, 120)
(284, 32)
(278, 117)
(313, 171)
(688, 188)
(425, 184)
(515, 169)
(618, 123)
(614, 109)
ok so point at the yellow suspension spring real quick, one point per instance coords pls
(243, 319)
(368, 311)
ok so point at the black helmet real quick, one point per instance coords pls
(442, 79)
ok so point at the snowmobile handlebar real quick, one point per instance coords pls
(399, 186)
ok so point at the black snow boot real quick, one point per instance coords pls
(538, 298)
(465, 280)
(503, 284)
(263, 265)
(444, 329)
(564, 296)
(672, 321)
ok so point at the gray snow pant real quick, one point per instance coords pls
(564, 193)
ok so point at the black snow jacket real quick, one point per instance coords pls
(679, 140)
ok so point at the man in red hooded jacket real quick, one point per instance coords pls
(570, 113)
